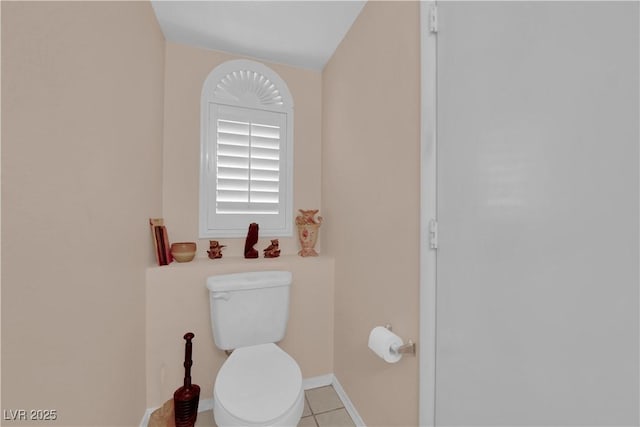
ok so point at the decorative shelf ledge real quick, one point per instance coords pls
(226, 263)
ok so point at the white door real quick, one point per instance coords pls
(537, 208)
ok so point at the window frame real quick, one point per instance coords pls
(247, 99)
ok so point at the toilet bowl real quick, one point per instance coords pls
(259, 385)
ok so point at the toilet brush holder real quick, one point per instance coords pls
(186, 398)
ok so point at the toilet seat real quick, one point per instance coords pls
(259, 385)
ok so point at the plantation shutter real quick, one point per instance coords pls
(246, 157)
(248, 161)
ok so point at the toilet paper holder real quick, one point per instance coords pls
(408, 348)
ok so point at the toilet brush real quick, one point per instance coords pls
(186, 398)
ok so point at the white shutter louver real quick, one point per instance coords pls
(248, 166)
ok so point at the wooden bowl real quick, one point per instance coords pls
(183, 251)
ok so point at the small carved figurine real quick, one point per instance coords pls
(252, 239)
(273, 250)
(215, 249)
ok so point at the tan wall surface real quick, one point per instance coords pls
(186, 70)
(370, 197)
(82, 170)
(82, 95)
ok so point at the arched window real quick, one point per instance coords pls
(246, 169)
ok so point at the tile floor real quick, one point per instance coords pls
(322, 408)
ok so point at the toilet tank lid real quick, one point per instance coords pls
(251, 280)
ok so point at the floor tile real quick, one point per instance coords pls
(307, 410)
(323, 402)
(307, 422)
(337, 418)
(323, 399)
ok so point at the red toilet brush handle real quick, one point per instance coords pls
(187, 359)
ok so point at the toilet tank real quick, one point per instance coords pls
(249, 308)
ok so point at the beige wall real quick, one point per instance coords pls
(82, 95)
(177, 302)
(370, 196)
(90, 108)
(186, 70)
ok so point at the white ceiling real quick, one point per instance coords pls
(300, 33)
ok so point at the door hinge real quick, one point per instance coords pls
(433, 19)
(433, 234)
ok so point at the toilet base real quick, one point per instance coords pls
(289, 419)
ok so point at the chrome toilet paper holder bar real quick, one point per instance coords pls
(408, 348)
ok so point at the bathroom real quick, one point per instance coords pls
(101, 131)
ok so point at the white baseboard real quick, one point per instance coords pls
(307, 383)
(205, 405)
(348, 405)
(319, 381)
(146, 416)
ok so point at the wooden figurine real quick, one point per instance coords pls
(273, 250)
(252, 239)
(215, 249)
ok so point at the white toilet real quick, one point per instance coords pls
(259, 384)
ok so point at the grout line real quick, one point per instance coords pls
(314, 419)
(314, 414)
(329, 410)
(306, 401)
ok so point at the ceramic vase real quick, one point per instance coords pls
(308, 232)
